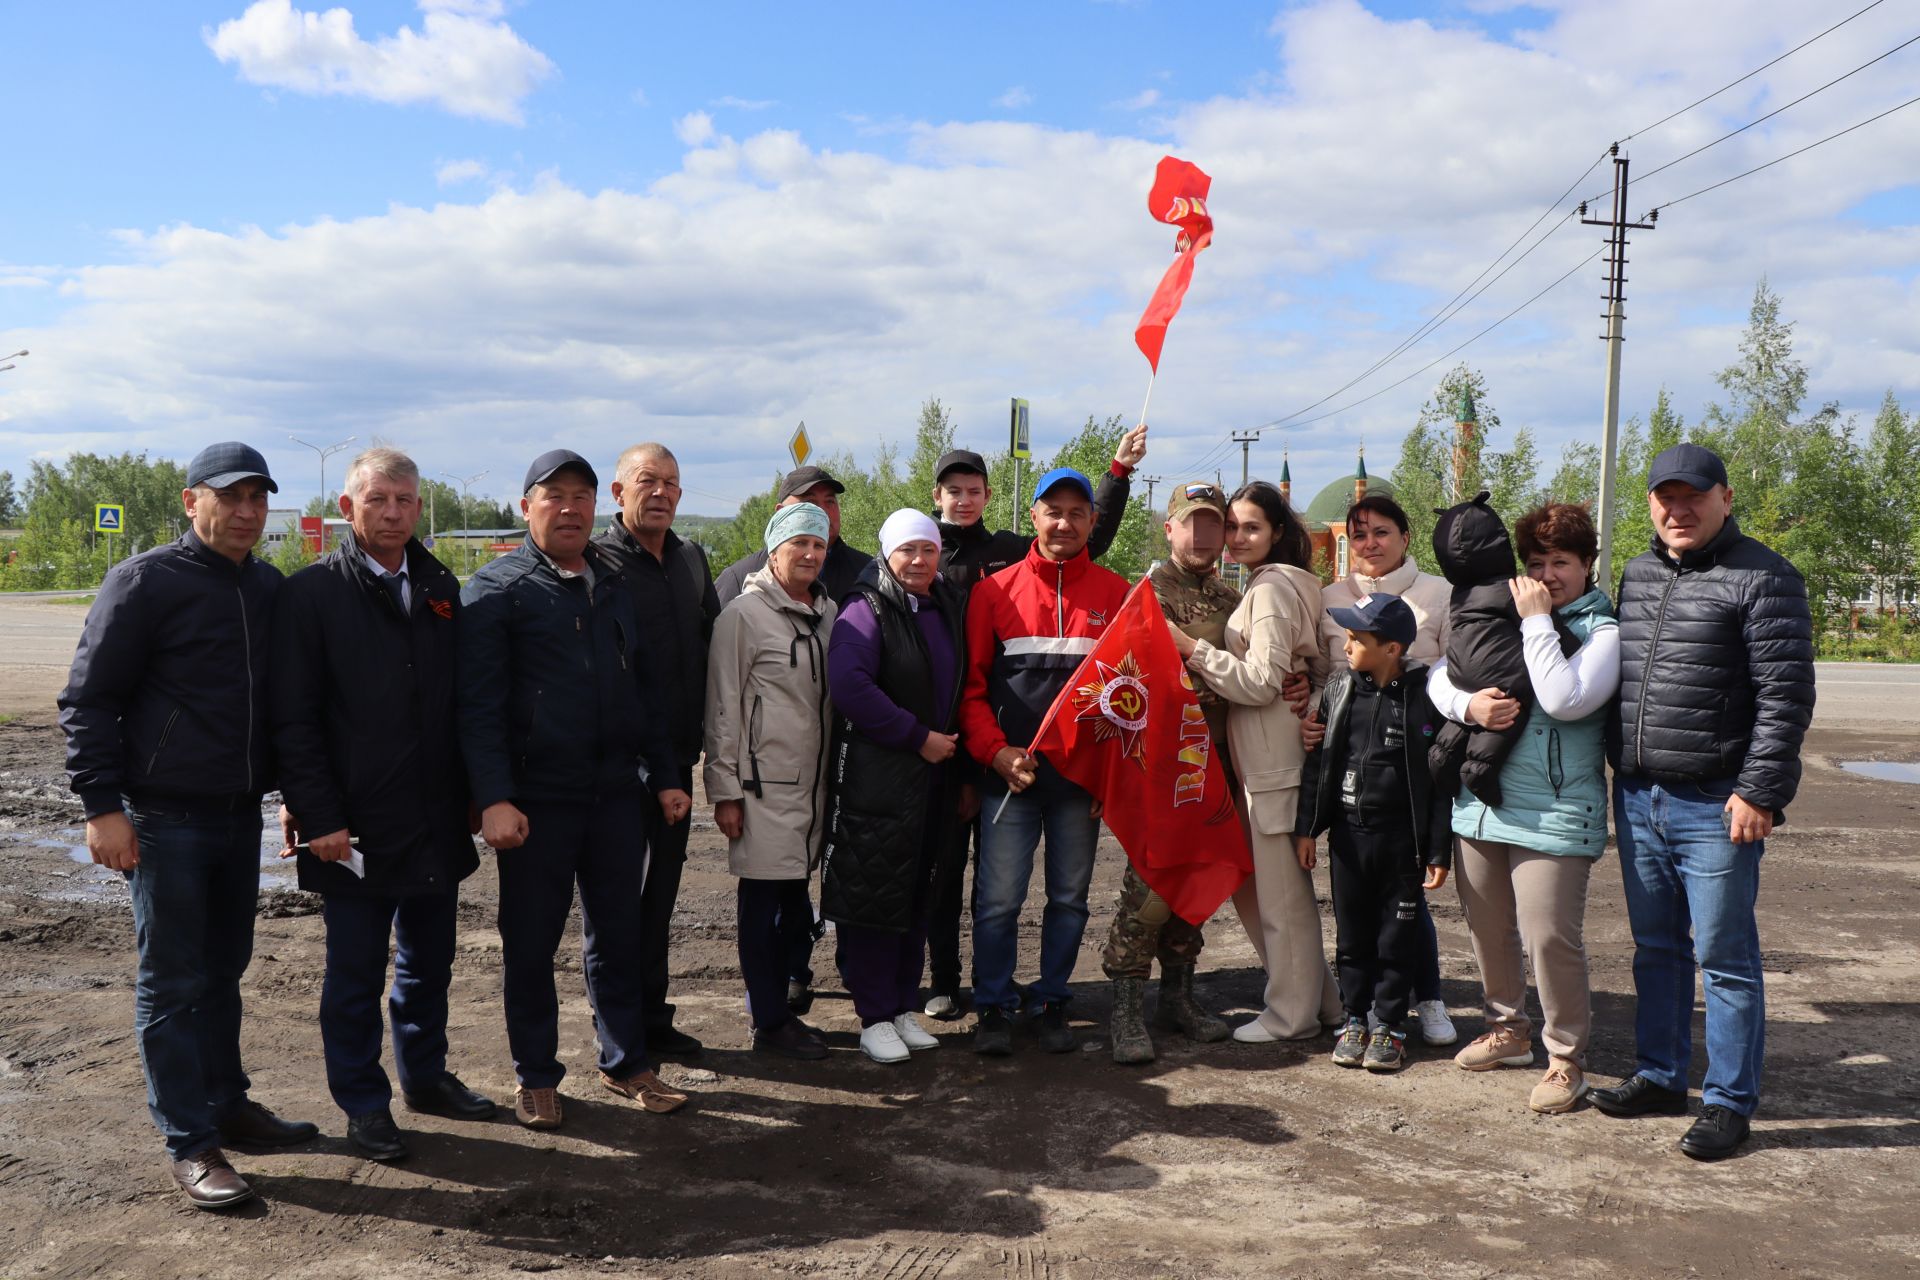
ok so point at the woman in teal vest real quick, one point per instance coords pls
(1523, 866)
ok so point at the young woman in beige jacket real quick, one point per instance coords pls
(1274, 633)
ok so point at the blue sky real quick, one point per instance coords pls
(593, 223)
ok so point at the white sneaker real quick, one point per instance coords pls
(1435, 1026)
(1253, 1033)
(945, 1008)
(912, 1034)
(883, 1044)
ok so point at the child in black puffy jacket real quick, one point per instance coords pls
(1484, 650)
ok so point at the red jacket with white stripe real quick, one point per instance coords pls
(1028, 628)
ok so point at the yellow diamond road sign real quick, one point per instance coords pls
(800, 447)
(108, 517)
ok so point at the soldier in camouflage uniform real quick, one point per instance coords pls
(1197, 600)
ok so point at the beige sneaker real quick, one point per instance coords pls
(648, 1090)
(1562, 1086)
(1501, 1046)
(537, 1108)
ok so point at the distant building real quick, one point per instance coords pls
(1326, 515)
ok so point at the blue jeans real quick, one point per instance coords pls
(350, 1032)
(194, 891)
(1061, 811)
(1690, 893)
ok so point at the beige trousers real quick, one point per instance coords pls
(1525, 906)
(1282, 920)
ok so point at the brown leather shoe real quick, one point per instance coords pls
(647, 1090)
(537, 1108)
(209, 1181)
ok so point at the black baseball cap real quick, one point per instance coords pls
(219, 465)
(1381, 613)
(553, 461)
(959, 460)
(1692, 464)
(801, 479)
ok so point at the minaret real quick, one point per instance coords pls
(1465, 422)
(1360, 476)
(1286, 478)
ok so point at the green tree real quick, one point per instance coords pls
(1755, 432)
(148, 489)
(10, 509)
(1423, 478)
(1829, 491)
(1893, 460)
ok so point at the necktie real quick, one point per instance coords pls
(397, 588)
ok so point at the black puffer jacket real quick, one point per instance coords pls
(167, 699)
(1484, 650)
(364, 723)
(558, 698)
(1716, 669)
(880, 852)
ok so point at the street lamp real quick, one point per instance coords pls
(466, 529)
(13, 356)
(324, 453)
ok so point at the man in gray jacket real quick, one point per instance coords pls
(1716, 691)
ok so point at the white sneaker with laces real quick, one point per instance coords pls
(912, 1034)
(883, 1044)
(1435, 1026)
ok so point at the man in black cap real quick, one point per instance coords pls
(1716, 692)
(165, 713)
(370, 772)
(673, 592)
(563, 730)
(843, 564)
(969, 553)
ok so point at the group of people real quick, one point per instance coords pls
(866, 720)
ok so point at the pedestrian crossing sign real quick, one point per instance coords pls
(108, 517)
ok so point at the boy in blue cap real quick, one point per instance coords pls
(1388, 826)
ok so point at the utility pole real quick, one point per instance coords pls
(1244, 439)
(1153, 515)
(1616, 299)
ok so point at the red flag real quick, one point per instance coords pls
(1179, 196)
(1129, 729)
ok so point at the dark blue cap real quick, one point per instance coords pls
(1692, 464)
(1059, 476)
(554, 460)
(1386, 616)
(229, 462)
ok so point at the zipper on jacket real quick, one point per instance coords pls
(246, 637)
(165, 733)
(1060, 598)
(1646, 674)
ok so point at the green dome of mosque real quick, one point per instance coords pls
(1330, 505)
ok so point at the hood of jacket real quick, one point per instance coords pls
(1471, 545)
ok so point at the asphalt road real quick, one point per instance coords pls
(36, 632)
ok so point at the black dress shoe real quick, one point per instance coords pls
(672, 1043)
(448, 1097)
(251, 1125)
(375, 1136)
(1716, 1135)
(1639, 1096)
(791, 1039)
(208, 1181)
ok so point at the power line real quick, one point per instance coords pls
(1790, 155)
(1751, 74)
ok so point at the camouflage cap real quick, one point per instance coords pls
(1195, 495)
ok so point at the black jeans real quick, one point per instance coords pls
(599, 844)
(1376, 911)
(358, 929)
(772, 917)
(666, 859)
(949, 892)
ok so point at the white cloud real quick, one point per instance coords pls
(745, 104)
(768, 279)
(455, 172)
(1140, 101)
(639, 98)
(463, 58)
(1014, 98)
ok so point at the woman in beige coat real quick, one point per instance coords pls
(766, 747)
(1272, 634)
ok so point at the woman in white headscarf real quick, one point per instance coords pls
(895, 661)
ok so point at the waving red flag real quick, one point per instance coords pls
(1129, 729)
(1179, 196)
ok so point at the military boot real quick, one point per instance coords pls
(1176, 1010)
(1131, 1043)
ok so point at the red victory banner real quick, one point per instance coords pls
(1179, 196)
(1129, 729)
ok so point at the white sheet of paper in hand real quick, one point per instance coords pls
(356, 864)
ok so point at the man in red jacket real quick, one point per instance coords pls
(1028, 628)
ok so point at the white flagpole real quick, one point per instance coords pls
(1149, 400)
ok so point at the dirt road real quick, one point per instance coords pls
(1224, 1160)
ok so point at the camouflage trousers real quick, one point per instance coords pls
(1144, 927)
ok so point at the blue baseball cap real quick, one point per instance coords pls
(554, 461)
(1690, 464)
(1060, 476)
(229, 462)
(1386, 616)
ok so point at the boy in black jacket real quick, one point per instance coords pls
(1368, 787)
